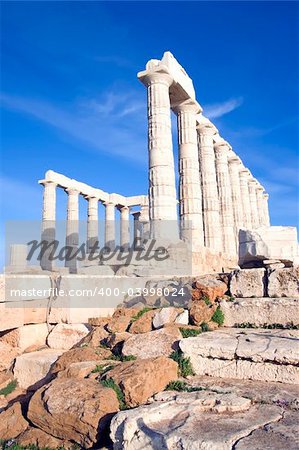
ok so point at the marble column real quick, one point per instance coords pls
(48, 221)
(266, 210)
(72, 227)
(225, 199)
(253, 203)
(144, 219)
(190, 195)
(244, 177)
(162, 190)
(260, 204)
(211, 207)
(124, 227)
(92, 222)
(109, 225)
(234, 168)
(137, 230)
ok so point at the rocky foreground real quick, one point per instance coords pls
(158, 378)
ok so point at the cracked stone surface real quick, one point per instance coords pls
(197, 420)
(258, 354)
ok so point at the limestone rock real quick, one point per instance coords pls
(98, 321)
(183, 318)
(37, 437)
(121, 319)
(33, 368)
(209, 286)
(115, 341)
(261, 311)
(5, 378)
(190, 420)
(65, 336)
(283, 282)
(8, 354)
(155, 343)
(166, 315)
(94, 338)
(248, 283)
(200, 312)
(143, 378)
(77, 410)
(78, 370)
(79, 354)
(144, 323)
(26, 336)
(12, 422)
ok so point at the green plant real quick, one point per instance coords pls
(185, 366)
(182, 386)
(218, 316)
(204, 327)
(11, 444)
(102, 369)
(122, 358)
(189, 332)
(110, 383)
(231, 299)
(140, 314)
(9, 388)
(207, 300)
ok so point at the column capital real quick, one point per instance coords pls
(207, 129)
(47, 182)
(187, 106)
(266, 195)
(157, 77)
(108, 203)
(72, 191)
(91, 197)
(123, 208)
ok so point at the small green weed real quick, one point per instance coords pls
(110, 383)
(182, 386)
(207, 300)
(204, 327)
(189, 332)
(9, 388)
(102, 369)
(140, 314)
(218, 316)
(185, 366)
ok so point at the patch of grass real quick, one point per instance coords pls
(218, 316)
(182, 386)
(204, 327)
(231, 299)
(122, 358)
(185, 366)
(11, 444)
(207, 300)
(110, 383)
(9, 388)
(102, 369)
(140, 314)
(189, 332)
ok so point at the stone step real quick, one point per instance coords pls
(261, 311)
(31, 369)
(254, 354)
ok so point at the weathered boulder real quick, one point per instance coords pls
(144, 323)
(78, 370)
(248, 283)
(200, 312)
(115, 341)
(121, 319)
(143, 378)
(71, 409)
(79, 354)
(65, 336)
(209, 286)
(260, 311)
(283, 282)
(155, 343)
(12, 422)
(5, 378)
(214, 421)
(40, 439)
(166, 315)
(96, 337)
(8, 354)
(33, 368)
(98, 321)
(26, 336)
(183, 318)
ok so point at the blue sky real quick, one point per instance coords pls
(71, 101)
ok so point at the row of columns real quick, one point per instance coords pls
(217, 194)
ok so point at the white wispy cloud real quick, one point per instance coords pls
(216, 110)
(107, 124)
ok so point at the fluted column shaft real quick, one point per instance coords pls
(234, 168)
(109, 225)
(92, 222)
(191, 217)
(266, 210)
(211, 209)
(48, 221)
(162, 191)
(125, 227)
(244, 176)
(225, 200)
(137, 230)
(72, 227)
(260, 205)
(253, 204)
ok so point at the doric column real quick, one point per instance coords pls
(137, 230)
(124, 227)
(144, 219)
(253, 203)
(266, 210)
(190, 195)
(234, 168)
(260, 204)
(48, 221)
(225, 198)
(109, 225)
(72, 227)
(244, 177)
(92, 222)
(211, 209)
(162, 191)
